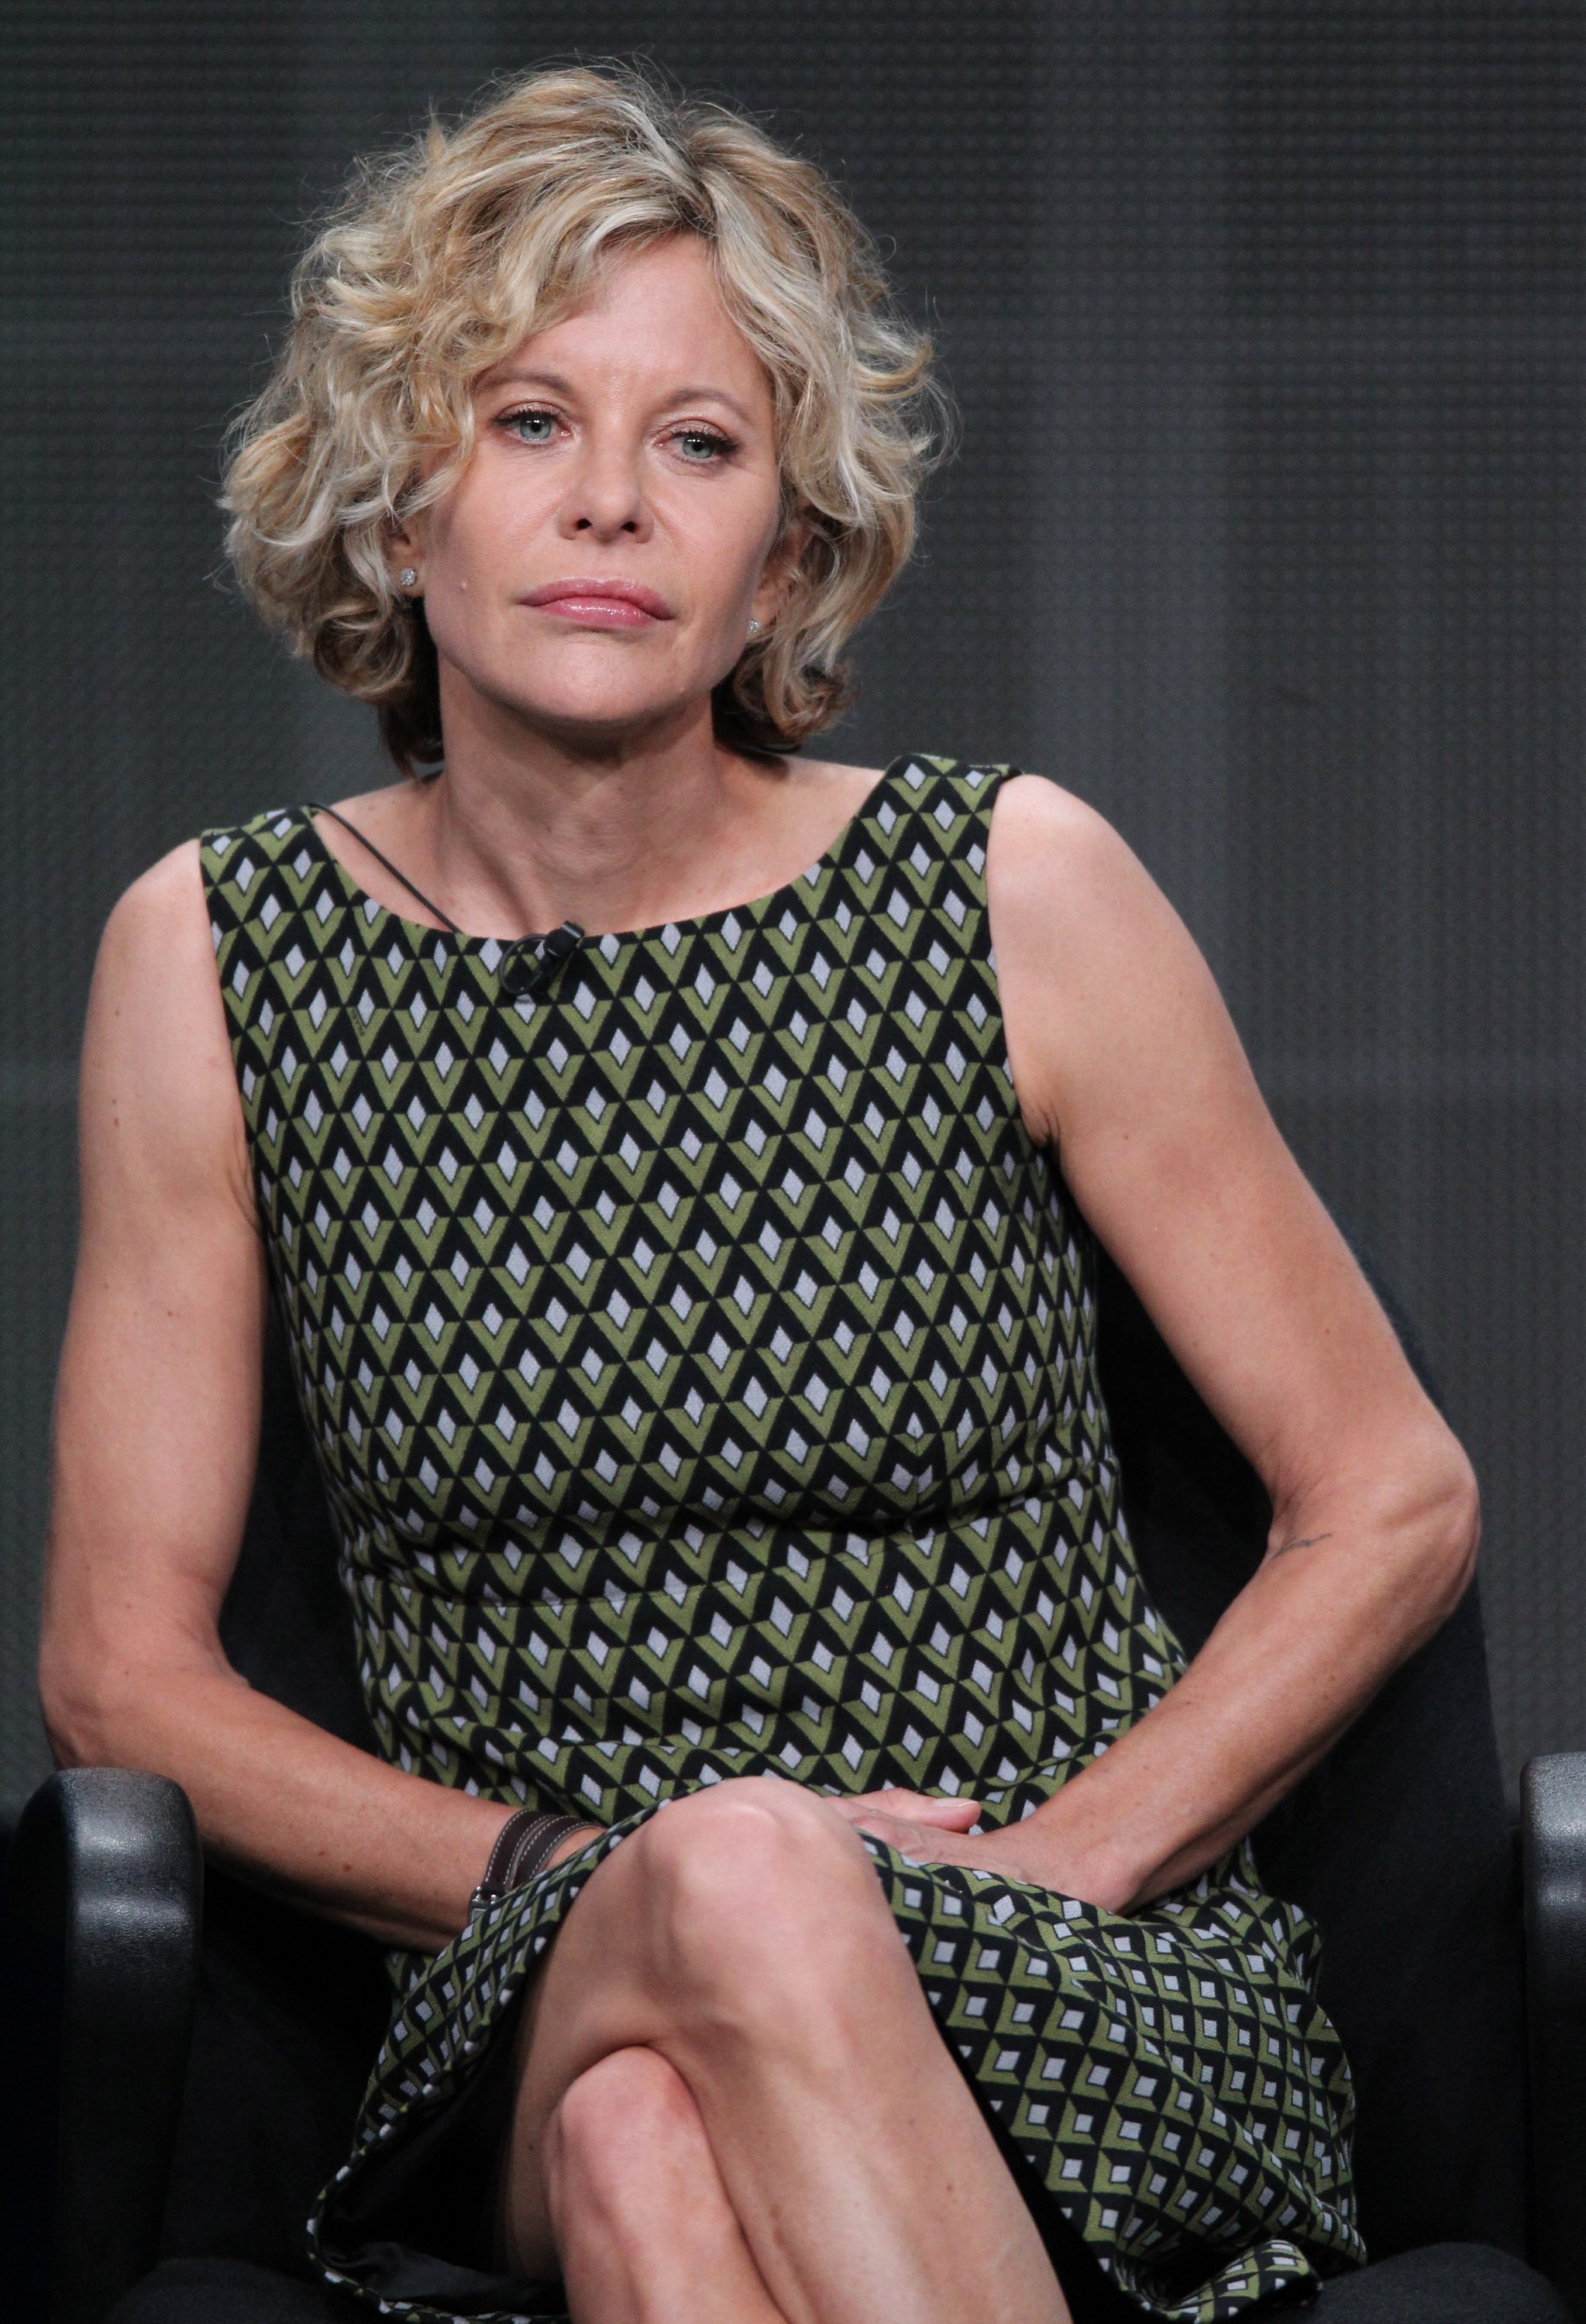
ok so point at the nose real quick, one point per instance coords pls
(606, 494)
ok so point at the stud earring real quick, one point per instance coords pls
(753, 625)
(408, 575)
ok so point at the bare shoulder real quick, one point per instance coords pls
(836, 772)
(157, 1078)
(1038, 807)
(1068, 896)
(828, 780)
(1046, 845)
(155, 972)
(162, 908)
(386, 813)
(1095, 968)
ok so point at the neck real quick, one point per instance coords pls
(612, 830)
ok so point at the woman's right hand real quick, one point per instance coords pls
(896, 1815)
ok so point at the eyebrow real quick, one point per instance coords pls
(558, 385)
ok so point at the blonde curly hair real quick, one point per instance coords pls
(444, 256)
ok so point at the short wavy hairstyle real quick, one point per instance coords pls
(444, 255)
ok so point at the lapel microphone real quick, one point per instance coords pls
(529, 967)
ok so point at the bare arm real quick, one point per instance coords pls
(1125, 1062)
(156, 1433)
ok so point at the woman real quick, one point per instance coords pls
(693, 1309)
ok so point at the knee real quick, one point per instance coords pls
(746, 1854)
(759, 1889)
(618, 2124)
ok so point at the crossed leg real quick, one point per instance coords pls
(734, 2104)
(643, 2223)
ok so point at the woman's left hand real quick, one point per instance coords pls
(899, 1816)
(930, 1830)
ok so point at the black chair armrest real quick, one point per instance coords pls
(1553, 1806)
(106, 1863)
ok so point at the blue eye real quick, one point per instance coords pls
(530, 427)
(698, 445)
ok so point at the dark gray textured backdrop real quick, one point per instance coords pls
(1265, 319)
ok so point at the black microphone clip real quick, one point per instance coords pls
(529, 967)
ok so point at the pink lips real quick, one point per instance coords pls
(601, 605)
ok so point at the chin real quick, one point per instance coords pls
(601, 713)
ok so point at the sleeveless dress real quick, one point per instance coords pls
(700, 1357)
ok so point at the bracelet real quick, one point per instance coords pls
(521, 1847)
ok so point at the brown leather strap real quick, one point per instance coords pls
(522, 1846)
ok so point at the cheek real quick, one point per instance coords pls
(472, 570)
(482, 526)
(729, 564)
(466, 539)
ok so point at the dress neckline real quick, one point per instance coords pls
(844, 844)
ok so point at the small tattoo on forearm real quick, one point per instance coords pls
(1308, 1542)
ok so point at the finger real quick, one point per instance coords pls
(896, 1831)
(869, 1804)
(923, 1844)
(916, 1807)
(920, 1843)
(946, 1816)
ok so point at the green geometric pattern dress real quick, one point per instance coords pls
(701, 1361)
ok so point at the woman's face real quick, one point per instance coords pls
(596, 568)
